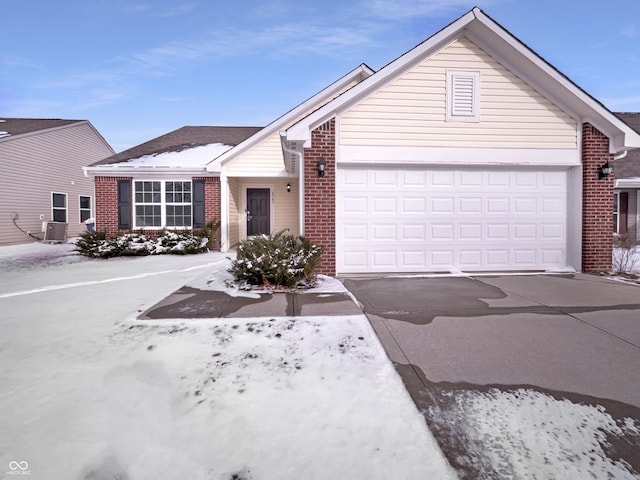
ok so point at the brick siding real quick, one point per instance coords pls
(597, 202)
(320, 195)
(107, 204)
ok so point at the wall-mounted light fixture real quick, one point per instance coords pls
(321, 166)
(288, 187)
(604, 170)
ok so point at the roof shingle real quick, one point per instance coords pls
(182, 139)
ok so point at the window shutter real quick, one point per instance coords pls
(124, 204)
(198, 204)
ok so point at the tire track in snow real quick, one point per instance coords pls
(98, 282)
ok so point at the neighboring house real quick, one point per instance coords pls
(469, 152)
(42, 178)
(626, 205)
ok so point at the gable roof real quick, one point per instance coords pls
(327, 94)
(11, 127)
(509, 51)
(182, 139)
(629, 166)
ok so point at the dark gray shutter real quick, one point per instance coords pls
(198, 204)
(124, 204)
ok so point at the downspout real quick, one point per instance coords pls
(286, 149)
(620, 155)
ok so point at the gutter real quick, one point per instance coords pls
(286, 149)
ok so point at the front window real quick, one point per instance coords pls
(162, 204)
(85, 208)
(59, 207)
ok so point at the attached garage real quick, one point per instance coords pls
(467, 153)
(391, 219)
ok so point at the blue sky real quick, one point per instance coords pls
(140, 68)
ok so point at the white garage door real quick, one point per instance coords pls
(415, 220)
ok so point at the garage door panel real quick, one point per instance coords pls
(413, 220)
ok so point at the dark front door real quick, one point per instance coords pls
(258, 215)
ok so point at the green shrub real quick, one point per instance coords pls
(279, 260)
(96, 244)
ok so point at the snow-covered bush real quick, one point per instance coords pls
(96, 244)
(278, 260)
(626, 252)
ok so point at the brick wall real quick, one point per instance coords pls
(320, 195)
(107, 203)
(212, 202)
(597, 202)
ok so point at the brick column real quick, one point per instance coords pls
(320, 195)
(106, 189)
(212, 202)
(597, 202)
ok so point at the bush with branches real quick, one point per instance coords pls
(279, 260)
(626, 252)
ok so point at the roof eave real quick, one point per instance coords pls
(119, 170)
(284, 120)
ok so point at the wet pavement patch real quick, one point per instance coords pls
(189, 302)
(421, 300)
(523, 431)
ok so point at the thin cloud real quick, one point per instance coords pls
(14, 61)
(401, 9)
(292, 39)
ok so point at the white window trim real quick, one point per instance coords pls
(474, 114)
(616, 212)
(80, 209)
(163, 205)
(66, 205)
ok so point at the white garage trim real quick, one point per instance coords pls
(410, 220)
(358, 154)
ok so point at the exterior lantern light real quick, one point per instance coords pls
(288, 187)
(604, 170)
(321, 166)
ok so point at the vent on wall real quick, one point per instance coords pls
(55, 232)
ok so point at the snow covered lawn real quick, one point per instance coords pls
(89, 392)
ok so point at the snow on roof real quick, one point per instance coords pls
(197, 156)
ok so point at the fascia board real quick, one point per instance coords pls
(301, 131)
(284, 120)
(115, 171)
(627, 183)
(550, 82)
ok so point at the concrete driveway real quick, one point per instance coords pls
(561, 338)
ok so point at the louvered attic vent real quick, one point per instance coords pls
(463, 96)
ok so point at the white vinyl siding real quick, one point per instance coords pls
(264, 159)
(47, 161)
(411, 110)
(234, 211)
